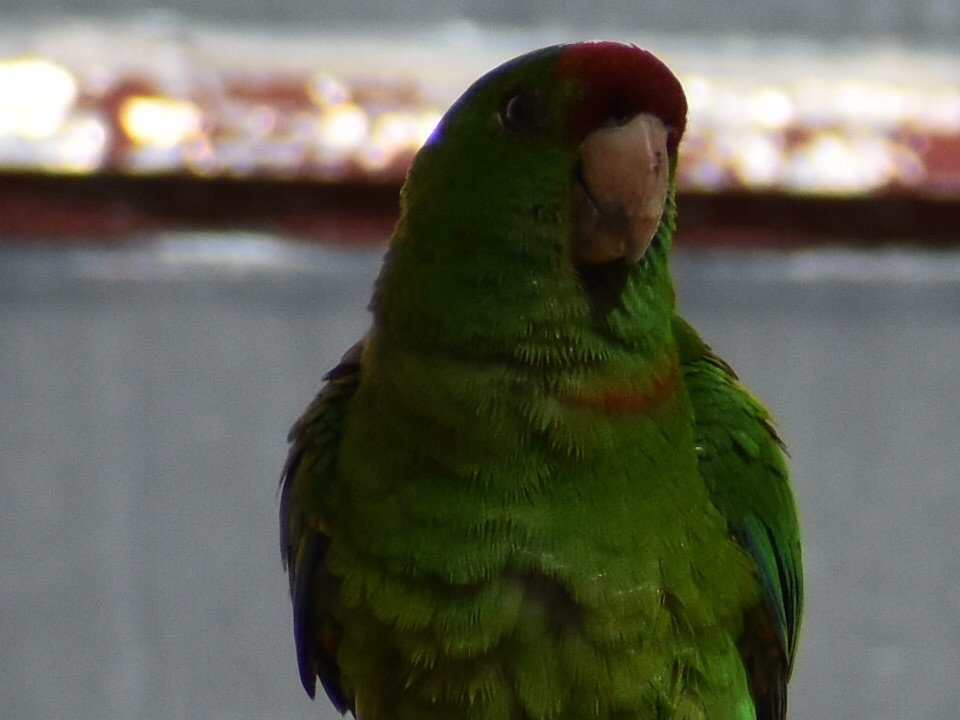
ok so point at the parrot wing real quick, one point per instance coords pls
(310, 469)
(743, 463)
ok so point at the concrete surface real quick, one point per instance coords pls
(144, 396)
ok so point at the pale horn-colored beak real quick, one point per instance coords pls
(620, 190)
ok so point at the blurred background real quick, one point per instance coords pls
(194, 200)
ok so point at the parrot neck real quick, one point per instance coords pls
(473, 286)
(484, 409)
(549, 323)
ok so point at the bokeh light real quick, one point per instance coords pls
(756, 124)
(35, 96)
(160, 122)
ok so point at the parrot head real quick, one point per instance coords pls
(542, 197)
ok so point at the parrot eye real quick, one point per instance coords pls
(521, 111)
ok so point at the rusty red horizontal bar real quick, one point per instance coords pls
(115, 207)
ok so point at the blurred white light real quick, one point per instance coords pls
(758, 161)
(35, 96)
(159, 122)
(814, 102)
(80, 145)
(699, 92)
(940, 110)
(872, 104)
(833, 163)
(343, 129)
(893, 105)
(772, 108)
(727, 106)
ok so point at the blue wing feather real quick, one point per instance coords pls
(310, 469)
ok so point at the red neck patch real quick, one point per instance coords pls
(625, 398)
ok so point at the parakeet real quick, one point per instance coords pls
(531, 491)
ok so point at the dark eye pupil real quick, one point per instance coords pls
(521, 111)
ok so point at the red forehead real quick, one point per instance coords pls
(620, 81)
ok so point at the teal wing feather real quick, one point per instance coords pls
(743, 463)
(310, 469)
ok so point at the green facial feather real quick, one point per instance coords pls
(532, 491)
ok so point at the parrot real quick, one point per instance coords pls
(531, 491)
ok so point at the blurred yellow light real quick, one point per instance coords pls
(343, 128)
(394, 133)
(159, 121)
(397, 130)
(426, 123)
(35, 96)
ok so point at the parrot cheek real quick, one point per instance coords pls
(620, 189)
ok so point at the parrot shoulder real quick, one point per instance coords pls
(743, 463)
(310, 468)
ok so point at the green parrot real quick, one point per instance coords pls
(531, 491)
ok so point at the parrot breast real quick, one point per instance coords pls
(524, 553)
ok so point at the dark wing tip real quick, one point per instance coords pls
(335, 693)
(313, 658)
(308, 678)
(766, 664)
(302, 620)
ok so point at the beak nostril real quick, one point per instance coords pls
(658, 162)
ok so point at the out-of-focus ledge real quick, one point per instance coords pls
(52, 208)
(108, 128)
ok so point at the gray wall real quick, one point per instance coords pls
(937, 20)
(144, 397)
